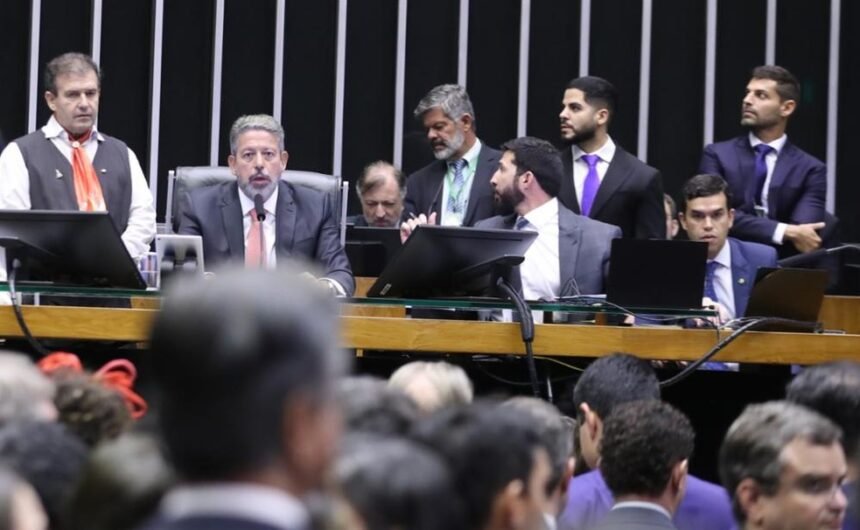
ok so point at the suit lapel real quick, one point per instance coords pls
(480, 183)
(567, 192)
(232, 218)
(784, 162)
(616, 175)
(285, 217)
(742, 278)
(569, 237)
(746, 168)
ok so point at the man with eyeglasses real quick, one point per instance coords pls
(261, 219)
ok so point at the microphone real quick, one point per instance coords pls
(258, 207)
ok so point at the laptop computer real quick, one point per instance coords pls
(662, 274)
(794, 294)
(370, 248)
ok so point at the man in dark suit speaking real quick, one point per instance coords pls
(602, 180)
(779, 190)
(455, 189)
(260, 219)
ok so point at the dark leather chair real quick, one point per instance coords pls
(186, 178)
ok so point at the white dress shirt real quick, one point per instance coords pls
(261, 504)
(451, 218)
(644, 505)
(580, 166)
(770, 161)
(15, 186)
(723, 280)
(540, 272)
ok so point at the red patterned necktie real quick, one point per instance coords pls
(88, 189)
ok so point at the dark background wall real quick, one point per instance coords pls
(675, 105)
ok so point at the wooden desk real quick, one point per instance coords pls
(461, 337)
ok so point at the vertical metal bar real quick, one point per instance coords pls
(155, 95)
(217, 59)
(399, 83)
(833, 102)
(96, 43)
(33, 95)
(278, 88)
(340, 75)
(644, 80)
(770, 42)
(584, 36)
(523, 88)
(463, 43)
(710, 71)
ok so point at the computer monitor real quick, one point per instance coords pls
(77, 248)
(451, 261)
(653, 273)
(370, 248)
(794, 294)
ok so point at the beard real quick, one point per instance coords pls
(451, 146)
(250, 190)
(507, 199)
(582, 135)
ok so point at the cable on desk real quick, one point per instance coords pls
(527, 331)
(19, 314)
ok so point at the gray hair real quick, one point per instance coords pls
(452, 99)
(450, 382)
(755, 441)
(69, 63)
(370, 179)
(25, 393)
(255, 122)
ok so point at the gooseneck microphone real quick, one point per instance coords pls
(258, 207)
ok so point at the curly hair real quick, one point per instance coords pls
(90, 410)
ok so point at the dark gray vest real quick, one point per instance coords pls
(52, 185)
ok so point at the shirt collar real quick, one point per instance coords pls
(543, 214)
(471, 156)
(724, 256)
(777, 144)
(606, 151)
(269, 205)
(644, 505)
(247, 501)
(53, 129)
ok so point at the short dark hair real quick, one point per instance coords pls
(787, 85)
(613, 380)
(486, 447)
(69, 63)
(541, 158)
(397, 483)
(642, 441)
(369, 405)
(90, 409)
(754, 443)
(833, 390)
(231, 355)
(598, 92)
(706, 185)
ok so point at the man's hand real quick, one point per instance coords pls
(804, 237)
(406, 227)
(715, 321)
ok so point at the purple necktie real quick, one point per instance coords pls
(592, 182)
(710, 271)
(761, 152)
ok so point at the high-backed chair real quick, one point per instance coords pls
(186, 178)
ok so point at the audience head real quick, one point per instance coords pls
(557, 433)
(20, 508)
(588, 106)
(708, 214)
(25, 392)
(645, 450)
(370, 406)
(47, 456)
(605, 384)
(671, 210)
(257, 154)
(132, 473)
(392, 483)
(833, 390)
(381, 189)
(72, 89)
(783, 466)
(88, 408)
(499, 463)
(433, 385)
(249, 359)
(529, 174)
(772, 95)
(449, 121)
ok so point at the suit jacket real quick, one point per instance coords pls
(747, 257)
(630, 196)
(583, 250)
(207, 522)
(424, 188)
(305, 228)
(705, 506)
(796, 195)
(634, 518)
